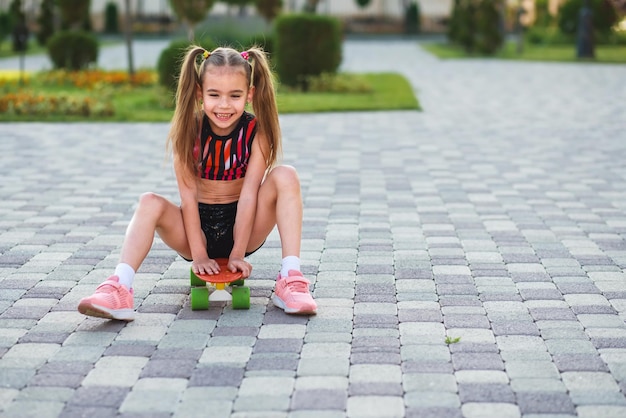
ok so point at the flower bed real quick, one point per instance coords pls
(65, 93)
(93, 78)
(26, 103)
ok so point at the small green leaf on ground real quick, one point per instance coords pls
(452, 340)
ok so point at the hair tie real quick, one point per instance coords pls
(206, 54)
(245, 55)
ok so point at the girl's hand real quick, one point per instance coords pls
(205, 266)
(239, 264)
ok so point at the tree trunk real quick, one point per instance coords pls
(128, 32)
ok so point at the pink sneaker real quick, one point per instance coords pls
(111, 300)
(292, 294)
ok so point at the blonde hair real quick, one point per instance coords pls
(188, 114)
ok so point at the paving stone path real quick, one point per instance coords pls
(497, 216)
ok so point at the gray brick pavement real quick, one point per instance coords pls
(497, 215)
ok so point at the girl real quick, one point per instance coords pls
(232, 193)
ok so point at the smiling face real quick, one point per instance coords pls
(224, 94)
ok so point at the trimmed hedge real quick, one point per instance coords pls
(73, 50)
(171, 59)
(489, 37)
(306, 45)
(475, 25)
(413, 18)
(111, 18)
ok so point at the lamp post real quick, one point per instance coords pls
(20, 43)
(584, 35)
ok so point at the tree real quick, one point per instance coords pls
(239, 3)
(543, 18)
(5, 25)
(310, 6)
(73, 12)
(17, 26)
(269, 9)
(404, 4)
(363, 3)
(603, 18)
(15, 10)
(191, 12)
(46, 21)
(74, 47)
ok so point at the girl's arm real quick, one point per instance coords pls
(246, 206)
(191, 219)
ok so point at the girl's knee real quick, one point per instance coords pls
(285, 176)
(151, 201)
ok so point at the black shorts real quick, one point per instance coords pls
(217, 222)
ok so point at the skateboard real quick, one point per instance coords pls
(239, 295)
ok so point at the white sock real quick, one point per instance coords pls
(126, 274)
(290, 262)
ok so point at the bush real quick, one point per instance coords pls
(543, 18)
(262, 40)
(413, 18)
(241, 41)
(5, 25)
(46, 22)
(467, 25)
(74, 12)
(488, 31)
(616, 38)
(453, 31)
(111, 24)
(539, 35)
(73, 50)
(171, 58)
(476, 26)
(306, 44)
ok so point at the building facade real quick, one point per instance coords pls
(434, 13)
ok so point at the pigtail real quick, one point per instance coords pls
(186, 119)
(264, 103)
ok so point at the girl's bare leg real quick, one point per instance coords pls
(153, 214)
(113, 299)
(279, 204)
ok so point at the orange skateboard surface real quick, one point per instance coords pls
(224, 276)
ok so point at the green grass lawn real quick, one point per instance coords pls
(6, 48)
(557, 53)
(390, 91)
(387, 91)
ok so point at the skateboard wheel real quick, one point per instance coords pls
(241, 297)
(237, 282)
(195, 281)
(199, 298)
